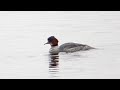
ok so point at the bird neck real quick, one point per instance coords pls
(54, 45)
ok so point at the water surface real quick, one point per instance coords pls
(24, 55)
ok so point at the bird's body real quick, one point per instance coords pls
(66, 47)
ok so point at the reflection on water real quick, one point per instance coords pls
(53, 64)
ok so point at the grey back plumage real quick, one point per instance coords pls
(73, 47)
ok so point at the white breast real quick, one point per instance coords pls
(54, 50)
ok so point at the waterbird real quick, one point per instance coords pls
(66, 47)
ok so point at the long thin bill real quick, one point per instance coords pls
(46, 43)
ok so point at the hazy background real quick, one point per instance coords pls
(24, 55)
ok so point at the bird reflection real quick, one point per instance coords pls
(54, 61)
(53, 65)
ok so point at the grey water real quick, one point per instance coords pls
(23, 54)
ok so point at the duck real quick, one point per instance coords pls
(69, 47)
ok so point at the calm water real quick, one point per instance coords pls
(24, 55)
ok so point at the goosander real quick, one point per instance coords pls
(66, 47)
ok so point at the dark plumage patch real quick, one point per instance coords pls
(50, 39)
(53, 40)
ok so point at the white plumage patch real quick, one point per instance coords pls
(54, 50)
